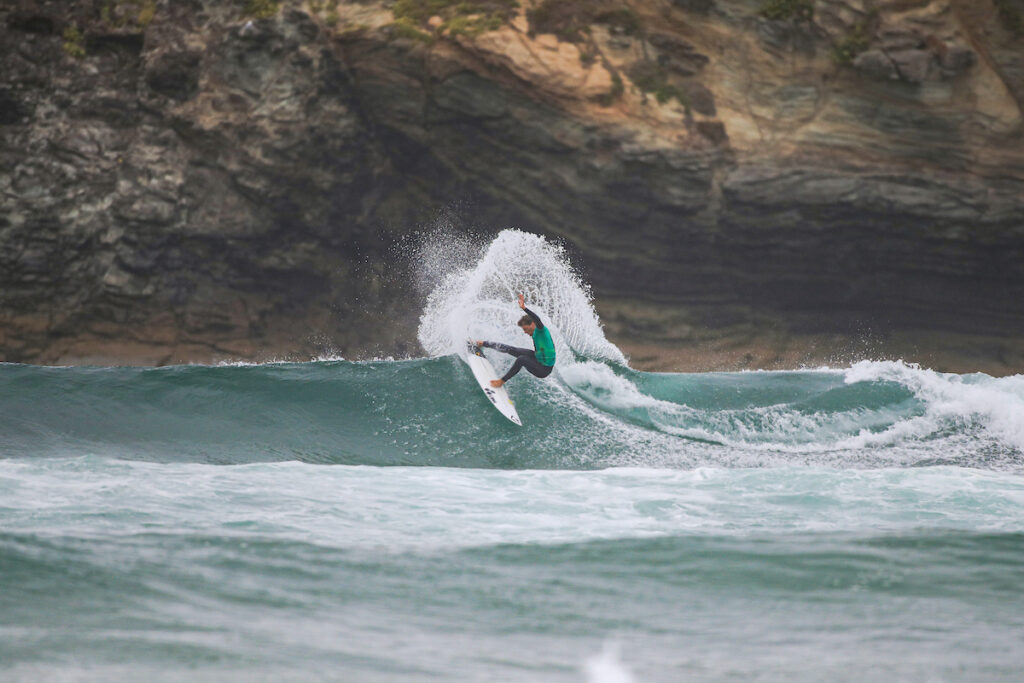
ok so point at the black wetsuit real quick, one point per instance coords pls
(527, 358)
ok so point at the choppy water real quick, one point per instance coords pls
(379, 521)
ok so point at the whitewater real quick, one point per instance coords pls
(380, 521)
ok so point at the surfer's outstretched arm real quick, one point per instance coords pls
(533, 316)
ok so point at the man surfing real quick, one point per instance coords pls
(540, 360)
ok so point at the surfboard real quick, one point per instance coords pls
(483, 371)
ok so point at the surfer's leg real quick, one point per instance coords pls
(514, 370)
(510, 350)
(535, 367)
(529, 361)
(540, 370)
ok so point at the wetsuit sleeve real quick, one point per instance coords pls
(533, 316)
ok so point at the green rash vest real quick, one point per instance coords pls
(543, 345)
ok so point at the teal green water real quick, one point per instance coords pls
(381, 521)
(429, 412)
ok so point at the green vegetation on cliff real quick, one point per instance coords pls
(787, 9)
(469, 17)
(119, 14)
(570, 20)
(854, 42)
(74, 42)
(262, 9)
(650, 77)
(406, 28)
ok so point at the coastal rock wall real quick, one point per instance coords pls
(198, 180)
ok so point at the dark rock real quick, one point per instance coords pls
(907, 55)
(858, 210)
(467, 95)
(677, 55)
(302, 25)
(700, 98)
(12, 108)
(956, 60)
(913, 66)
(125, 44)
(877, 64)
(30, 22)
(111, 110)
(697, 6)
(713, 131)
(909, 66)
(174, 74)
(898, 38)
(786, 36)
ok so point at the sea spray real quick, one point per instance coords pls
(477, 300)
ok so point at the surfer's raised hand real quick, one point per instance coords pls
(522, 301)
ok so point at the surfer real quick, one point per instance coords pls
(540, 360)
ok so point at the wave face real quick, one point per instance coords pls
(590, 414)
(381, 521)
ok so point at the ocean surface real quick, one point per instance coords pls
(380, 521)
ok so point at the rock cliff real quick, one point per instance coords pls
(746, 182)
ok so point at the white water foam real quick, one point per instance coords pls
(966, 411)
(607, 667)
(995, 404)
(421, 508)
(767, 428)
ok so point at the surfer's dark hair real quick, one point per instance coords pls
(524, 321)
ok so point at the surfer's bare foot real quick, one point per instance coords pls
(496, 383)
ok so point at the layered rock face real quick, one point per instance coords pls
(755, 182)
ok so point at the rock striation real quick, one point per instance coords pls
(763, 181)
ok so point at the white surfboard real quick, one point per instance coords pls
(484, 373)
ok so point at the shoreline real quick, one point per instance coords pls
(774, 351)
(946, 352)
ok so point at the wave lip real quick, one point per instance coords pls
(991, 405)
